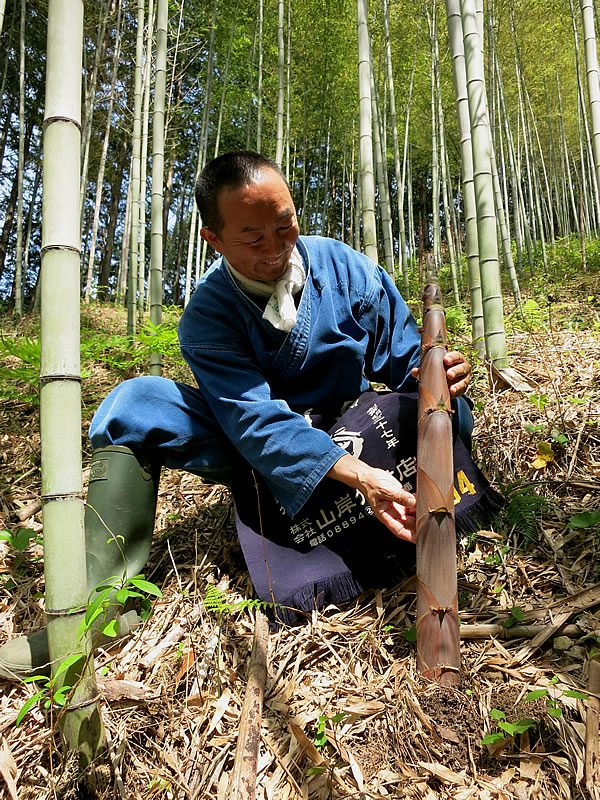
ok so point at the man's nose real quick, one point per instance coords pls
(272, 244)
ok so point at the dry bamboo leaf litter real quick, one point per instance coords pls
(354, 660)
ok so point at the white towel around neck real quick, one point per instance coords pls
(280, 311)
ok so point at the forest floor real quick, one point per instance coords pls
(346, 680)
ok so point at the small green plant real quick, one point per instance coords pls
(541, 427)
(113, 593)
(21, 538)
(595, 641)
(506, 728)
(162, 338)
(158, 785)
(321, 739)
(578, 400)
(47, 691)
(559, 437)
(540, 401)
(410, 634)
(587, 519)
(537, 427)
(553, 703)
(20, 541)
(499, 556)
(516, 615)
(326, 726)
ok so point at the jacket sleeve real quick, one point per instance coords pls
(394, 340)
(292, 456)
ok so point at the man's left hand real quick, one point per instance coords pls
(458, 373)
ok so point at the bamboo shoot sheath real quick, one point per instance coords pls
(438, 643)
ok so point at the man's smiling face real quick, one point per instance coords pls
(259, 228)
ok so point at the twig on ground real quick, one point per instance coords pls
(242, 782)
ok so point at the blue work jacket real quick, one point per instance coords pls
(353, 327)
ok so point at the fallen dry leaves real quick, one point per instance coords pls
(173, 695)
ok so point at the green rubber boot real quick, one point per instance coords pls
(119, 521)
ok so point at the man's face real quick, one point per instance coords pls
(259, 227)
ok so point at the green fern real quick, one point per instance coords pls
(523, 510)
(20, 381)
(530, 317)
(456, 320)
(216, 600)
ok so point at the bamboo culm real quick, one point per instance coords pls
(60, 387)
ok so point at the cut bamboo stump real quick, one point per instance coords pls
(438, 641)
(242, 783)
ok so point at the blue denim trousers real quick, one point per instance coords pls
(171, 424)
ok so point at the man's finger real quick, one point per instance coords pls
(398, 519)
(402, 529)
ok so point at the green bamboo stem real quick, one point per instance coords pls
(410, 209)
(60, 393)
(397, 169)
(288, 92)
(260, 77)
(102, 166)
(384, 195)
(438, 648)
(158, 160)
(132, 282)
(435, 179)
(455, 36)
(593, 72)
(367, 179)
(141, 299)
(89, 110)
(583, 109)
(489, 266)
(446, 188)
(281, 85)
(20, 167)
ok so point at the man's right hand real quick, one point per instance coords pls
(391, 503)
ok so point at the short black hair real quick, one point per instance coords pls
(230, 170)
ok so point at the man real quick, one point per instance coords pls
(278, 325)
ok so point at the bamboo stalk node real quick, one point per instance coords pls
(440, 514)
(71, 706)
(48, 377)
(439, 672)
(59, 118)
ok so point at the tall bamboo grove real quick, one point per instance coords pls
(438, 649)
(60, 393)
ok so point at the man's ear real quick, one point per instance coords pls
(211, 238)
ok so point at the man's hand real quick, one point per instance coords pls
(458, 373)
(391, 504)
